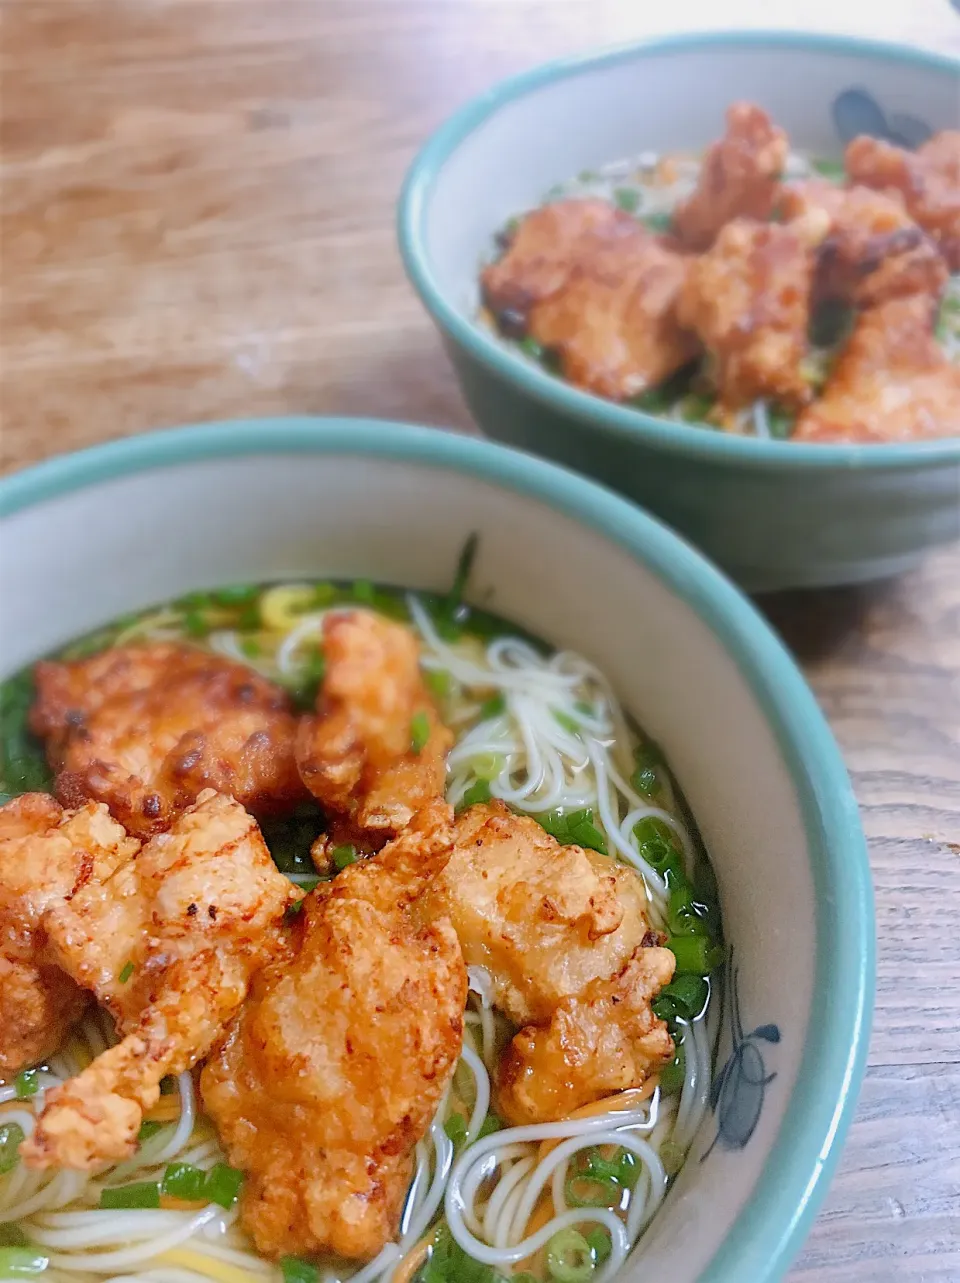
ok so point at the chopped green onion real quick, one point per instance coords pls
(451, 608)
(126, 972)
(126, 1197)
(364, 591)
(20, 1262)
(600, 1244)
(487, 766)
(696, 408)
(584, 1190)
(523, 1277)
(148, 1129)
(479, 791)
(672, 1075)
(659, 223)
(235, 594)
(195, 624)
(183, 1180)
(780, 422)
(223, 1185)
(493, 706)
(567, 722)
(456, 1129)
(344, 856)
(250, 647)
(688, 992)
(489, 1125)
(569, 1258)
(695, 954)
(26, 1083)
(832, 169)
(627, 198)
(11, 1136)
(439, 681)
(324, 593)
(531, 347)
(293, 911)
(573, 828)
(295, 1270)
(419, 731)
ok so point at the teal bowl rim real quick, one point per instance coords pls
(770, 1229)
(681, 438)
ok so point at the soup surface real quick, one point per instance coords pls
(753, 289)
(504, 1178)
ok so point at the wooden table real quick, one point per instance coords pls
(198, 223)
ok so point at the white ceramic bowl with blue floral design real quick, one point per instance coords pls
(96, 535)
(775, 514)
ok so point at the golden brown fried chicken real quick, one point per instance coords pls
(339, 1060)
(738, 177)
(375, 753)
(603, 1040)
(748, 298)
(613, 323)
(871, 249)
(892, 381)
(45, 856)
(168, 939)
(544, 919)
(543, 252)
(927, 181)
(147, 728)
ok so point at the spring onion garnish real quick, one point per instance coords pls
(573, 828)
(492, 707)
(148, 1129)
(567, 722)
(11, 1135)
(125, 972)
(183, 1180)
(658, 222)
(21, 1262)
(627, 198)
(295, 1270)
(223, 1185)
(695, 954)
(456, 1129)
(600, 1182)
(343, 856)
(364, 591)
(645, 778)
(439, 682)
(479, 791)
(293, 911)
(569, 1258)
(685, 996)
(832, 169)
(139, 1195)
(26, 1084)
(419, 731)
(599, 1242)
(672, 1075)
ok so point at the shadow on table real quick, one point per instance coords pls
(816, 623)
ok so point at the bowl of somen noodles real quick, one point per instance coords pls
(416, 864)
(721, 273)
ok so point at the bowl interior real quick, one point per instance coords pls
(500, 155)
(156, 517)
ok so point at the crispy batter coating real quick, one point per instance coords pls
(604, 1040)
(892, 381)
(927, 180)
(544, 919)
(168, 939)
(339, 1059)
(45, 856)
(749, 300)
(613, 323)
(358, 755)
(871, 250)
(147, 728)
(543, 251)
(738, 177)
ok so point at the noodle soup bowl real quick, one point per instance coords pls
(97, 535)
(774, 514)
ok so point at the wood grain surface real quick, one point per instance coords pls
(197, 222)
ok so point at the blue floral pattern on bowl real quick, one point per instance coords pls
(857, 112)
(739, 1088)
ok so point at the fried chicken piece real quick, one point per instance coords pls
(749, 300)
(738, 177)
(603, 1040)
(340, 1057)
(543, 252)
(871, 249)
(927, 180)
(892, 381)
(542, 918)
(613, 323)
(168, 939)
(375, 753)
(45, 856)
(147, 728)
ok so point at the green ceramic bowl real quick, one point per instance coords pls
(775, 514)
